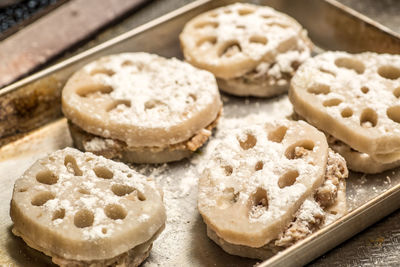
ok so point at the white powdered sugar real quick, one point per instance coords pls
(141, 99)
(242, 164)
(179, 184)
(355, 83)
(161, 92)
(98, 144)
(259, 32)
(309, 210)
(80, 182)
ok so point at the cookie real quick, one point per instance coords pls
(235, 198)
(85, 210)
(268, 186)
(354, 98)
(143, 101)
(252, 50)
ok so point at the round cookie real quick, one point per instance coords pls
(353, 97)
(80, 208)
(141, 99)
(258, 177)
(325, 205)
(252, 50)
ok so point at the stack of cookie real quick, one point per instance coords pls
(141, 108)
(354, 99)
(85, 210)
(269, 185)
(252, 50)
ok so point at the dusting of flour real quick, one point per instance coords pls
(185, 233)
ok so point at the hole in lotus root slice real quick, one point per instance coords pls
(46, 177)
(22, 190)
(72, 166)
(277, 24)
(204, 24)
(278, 134)
(83, 218)
(103, 172)
(240, 27)
(86, 91)
(141, 196)
(84, 191)
(207, 42)
(152, 104)
(332, 102)
(41, 198)
(364, 89)
(127, 63)
(351, 64)
(368, 118)
(396, 92)
(230, 49)
(116, 103)
(245, 11)
(318, 89)
(59, 214)
(389, 72)
(193, 97)
(258, 202)
(228, 170)
(394, 113)
(259, 166)
(228, 198)
(327, 72)
(347, 113)
(104, 230)
(299, 149)
(107, 72)
(250, 142)
(115, 212)
(288, 179)
(333, 212)
(258, 39)
(121, 189)
(266, 16)
(136, 195)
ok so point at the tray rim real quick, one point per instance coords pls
(297, 250)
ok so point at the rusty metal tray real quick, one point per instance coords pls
(31, 125)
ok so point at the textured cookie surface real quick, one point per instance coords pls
(353, 97)
(233, 40)
(141, 99)
(82, 207)
(325, 206)
(257, 179)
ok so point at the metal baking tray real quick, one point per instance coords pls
(31, 125)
